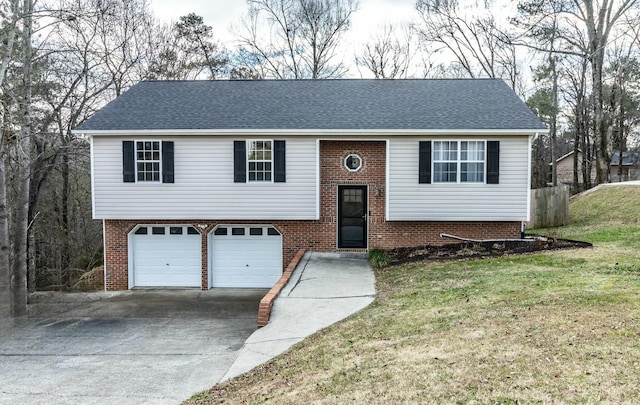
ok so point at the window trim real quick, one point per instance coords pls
(459, 162)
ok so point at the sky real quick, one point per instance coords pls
(221, 14)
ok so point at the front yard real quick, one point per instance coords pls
(559, 326)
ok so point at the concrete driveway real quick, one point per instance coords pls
(149, 346)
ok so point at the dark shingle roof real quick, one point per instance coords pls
(351, 104)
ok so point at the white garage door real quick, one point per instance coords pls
(245, 256)
(165, 256)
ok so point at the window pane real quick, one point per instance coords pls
(141, 231)
(157, 230)
(255, 231)
(272, 232)
(472, 150)
(445, 172)
(237, 231)
(192, 231)
(220, 231)
(472, 172)
(156, 146)
(175, 230)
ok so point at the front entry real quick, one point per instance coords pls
(352, 216)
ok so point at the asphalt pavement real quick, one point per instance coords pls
(163, 346)
(129, 347)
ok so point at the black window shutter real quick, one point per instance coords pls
(167, 162)
(279, 162)
(424, 162)
(493, 162)
(239, 162)
(128, 162)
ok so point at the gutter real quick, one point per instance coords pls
(308, 132)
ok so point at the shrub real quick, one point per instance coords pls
(378, 258)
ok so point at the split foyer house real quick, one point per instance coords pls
(219, 183)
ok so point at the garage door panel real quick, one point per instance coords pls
(246, 261)
(168, 260)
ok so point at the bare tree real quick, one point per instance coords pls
(600, 18)
(389, 54)
(471, 36)
(23, 158)
(10, 18)
(296, 38)
(586, 28)
(98, 50)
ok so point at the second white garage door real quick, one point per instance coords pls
(245, 256)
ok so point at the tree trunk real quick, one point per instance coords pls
(5, 273)
(21, 224)
(5, 244)
(554, 121)
(64, 208)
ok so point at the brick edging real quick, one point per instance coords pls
(266, 303)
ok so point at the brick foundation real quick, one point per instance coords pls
(319, 235)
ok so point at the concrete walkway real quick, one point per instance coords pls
(324, 289)
(605, 185)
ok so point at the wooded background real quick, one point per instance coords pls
(575, 62)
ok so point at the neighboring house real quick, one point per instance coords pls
(625, 169)
(219, 183)
(628, 168)
(564, 170)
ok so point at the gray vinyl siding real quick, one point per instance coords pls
(204, 186)
(506, 201)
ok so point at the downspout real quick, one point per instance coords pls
(446, 235)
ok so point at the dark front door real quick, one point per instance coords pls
(352, 216)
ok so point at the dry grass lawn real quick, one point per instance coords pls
(554, 327)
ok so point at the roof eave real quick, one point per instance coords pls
(308, 132)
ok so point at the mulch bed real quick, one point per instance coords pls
(472, 250)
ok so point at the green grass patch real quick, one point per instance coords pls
(550, 327)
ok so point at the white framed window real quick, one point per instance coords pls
(459, 161)
(260, 160)
(353, 162)
(148, 160)
(445, 162)
(472, 161)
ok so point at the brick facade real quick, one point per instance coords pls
(321, 234)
